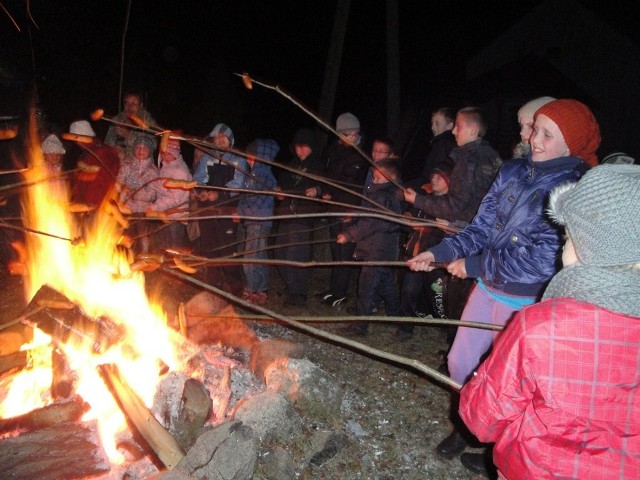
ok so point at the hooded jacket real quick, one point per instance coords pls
(292, 182)
(138, 175)
(511, 244)
(261, 179)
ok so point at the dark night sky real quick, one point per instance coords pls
(182, 55)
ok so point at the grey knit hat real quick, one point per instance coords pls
(346, 122)
(602, 215)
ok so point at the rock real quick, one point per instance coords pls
(211, 319)
(277, 464)
(311, 390)
(195, 408)
(228, 451)
(264, 353)
(272, 417)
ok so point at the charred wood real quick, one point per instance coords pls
(66, 322)
(13, 362)
(69, 451)
(49, 416)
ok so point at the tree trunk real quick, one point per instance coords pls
(332, 68)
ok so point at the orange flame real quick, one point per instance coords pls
(94, 274)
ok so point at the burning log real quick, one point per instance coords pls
(159, 440)
(49, 416)
(13, 362)
(69, 450)
(65, 321)
(62, 378)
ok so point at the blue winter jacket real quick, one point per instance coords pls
(262, 179)
(511, 244)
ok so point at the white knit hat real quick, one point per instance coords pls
(82, 127)
(601, 215)
(52, 144)
(532, 106)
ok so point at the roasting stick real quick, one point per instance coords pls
(431, 372)
(380, 319)
(248, 83)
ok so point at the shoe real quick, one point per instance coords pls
(332, 300)
(322, 295)
(451, 446)
(295, 300)
(259, 298)
(353, 311)
(476, 462)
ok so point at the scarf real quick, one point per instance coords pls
(613, 288)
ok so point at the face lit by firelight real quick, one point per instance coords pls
(547, 141)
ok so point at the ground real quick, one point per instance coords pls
(393, 416)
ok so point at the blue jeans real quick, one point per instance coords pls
(256, 276)
(375, 283)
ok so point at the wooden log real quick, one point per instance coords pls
(65, 321)
(167, 449)
(63, 379)
(13, 362)
(69, 451)
(49, 416)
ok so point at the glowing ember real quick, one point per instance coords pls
(95, 274)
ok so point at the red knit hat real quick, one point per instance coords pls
(578, 126)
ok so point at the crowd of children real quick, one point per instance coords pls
(505, 255)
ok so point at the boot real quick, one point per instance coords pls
(476, 462)
(454, 444)
(460, 437)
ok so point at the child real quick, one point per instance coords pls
(376, 239)
(137, 191)
(525, 120)
(136, 174)
(53, 153)
(475, 166)
(219, 168)
(256, 276)
(344, 165)
(559, 394)
(88, 187)
(294, 234)
(167, 199)
(414, 283)
(510, 247)
(440, 145)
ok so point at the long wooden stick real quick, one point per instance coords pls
(371, 319)
(421, 367)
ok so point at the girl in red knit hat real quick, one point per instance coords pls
(511, 248)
